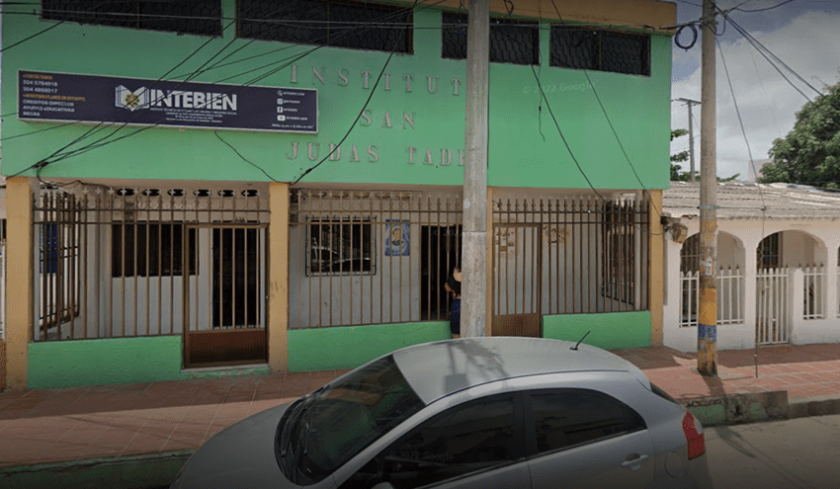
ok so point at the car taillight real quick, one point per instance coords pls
(693, 431)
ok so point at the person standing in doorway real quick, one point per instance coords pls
(453, 286)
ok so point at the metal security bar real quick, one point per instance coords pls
(338, 23)
(371, 257)
(587, 48)
(814, 291)
(569, 256)
(138, 262)
(202, 17)
(511, 40)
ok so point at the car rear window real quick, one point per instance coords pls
(664, 395)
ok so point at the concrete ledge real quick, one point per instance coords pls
(739, 408)
(815, 408)
(137, 472)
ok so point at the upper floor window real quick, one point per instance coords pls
(201, 17)
(600, 50)
(336, 23)
(511, 41)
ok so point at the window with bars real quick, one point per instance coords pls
(511, 41)
(150, 250)
(200, 17)
(340, 248)
(585, 48)
(335, 23)
(769, 252)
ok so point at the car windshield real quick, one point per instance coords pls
(323, 430)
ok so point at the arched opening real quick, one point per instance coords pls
(729, 281)
(776, 255)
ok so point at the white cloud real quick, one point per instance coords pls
(768, 104)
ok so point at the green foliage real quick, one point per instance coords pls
(810, 153)
(677, 175)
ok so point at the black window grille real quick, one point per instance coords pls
(511, 41)
(200, 17)
(150, 250)
(335, 23)
(340, 247)
(585, 48)
(769, 252)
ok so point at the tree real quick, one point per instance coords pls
(677, 175)
(810, 153)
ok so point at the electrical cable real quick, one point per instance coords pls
(764, 9)
(762, 48)
(245, 159)
(740, 120)
(356, 120)
(100, 143)
(612, 128)
(33, 36)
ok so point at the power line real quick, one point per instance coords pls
(356, 120)
(764, 9)
(740, 120)
(762, 48)
(609, 121)
(99, 143)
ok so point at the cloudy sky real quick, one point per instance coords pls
(805, 34)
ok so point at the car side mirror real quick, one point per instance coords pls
(383, 485)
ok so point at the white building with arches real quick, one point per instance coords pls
(777, 265)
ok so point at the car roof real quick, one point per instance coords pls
(435, 370)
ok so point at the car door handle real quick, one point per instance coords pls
(635, 463)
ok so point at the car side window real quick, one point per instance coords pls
(465, 439)
(571, 417)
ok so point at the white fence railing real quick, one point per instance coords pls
(772, 321)
(815, 279)
(730, 292)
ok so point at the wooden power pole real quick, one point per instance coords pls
(707, 320)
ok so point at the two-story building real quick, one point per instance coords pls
(273, 185)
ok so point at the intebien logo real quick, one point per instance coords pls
(126, 99)
(179, 99)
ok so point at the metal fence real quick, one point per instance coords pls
(730, 296)
(371, 257)
(570, 255)
(814, 292)
(145, 262)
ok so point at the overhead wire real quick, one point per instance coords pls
(762, 49)
(609, 122)
(101, 142)
(356, 120)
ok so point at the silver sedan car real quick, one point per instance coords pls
(478, 413)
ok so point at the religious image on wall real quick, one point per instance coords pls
(556, 235)
(397, 237)
(505, 240)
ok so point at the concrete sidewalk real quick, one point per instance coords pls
(82, 437)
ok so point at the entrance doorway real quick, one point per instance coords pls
(224, 322)
(440, 253)
(517, 280)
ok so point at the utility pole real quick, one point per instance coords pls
(690, 135)
(707, 320)
(474, 256)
